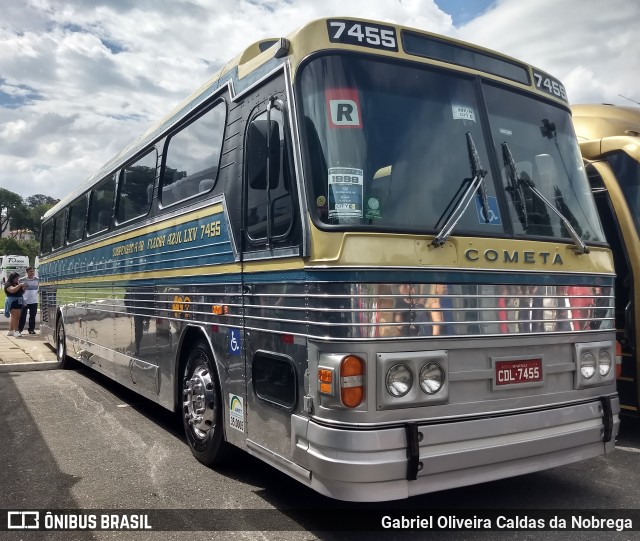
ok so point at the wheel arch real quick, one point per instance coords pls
(190, 335)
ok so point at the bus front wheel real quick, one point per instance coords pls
(202, 407)
(61, 345)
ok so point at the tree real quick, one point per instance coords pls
(36, 214)
(12, 246)
(39, 199)
(11, 206)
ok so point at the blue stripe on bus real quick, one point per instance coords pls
(197, 243)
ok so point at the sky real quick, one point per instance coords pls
(81, 79)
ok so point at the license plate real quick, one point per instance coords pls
(515, 372)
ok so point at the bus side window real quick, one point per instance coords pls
(101, 206)
(193, 157)
(278, 192)
(46, 240)
(77, 217)
(59, 226)
(133, 194)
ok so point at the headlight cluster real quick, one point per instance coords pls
(399, 379)
(411, 379)
(595, 363)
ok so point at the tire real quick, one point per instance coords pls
(61, 346)
(201, 405)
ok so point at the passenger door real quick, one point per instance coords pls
(271, 241)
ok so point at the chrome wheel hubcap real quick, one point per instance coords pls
(199, 402)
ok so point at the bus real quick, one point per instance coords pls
(13, 263)
(609, 138)
(363, 253)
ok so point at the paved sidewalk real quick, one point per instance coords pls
(29, 352)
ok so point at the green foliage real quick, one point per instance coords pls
(23, 213)
(40, 200)
(10, 204)
(37, 213)
(12, 246)
(9, 246)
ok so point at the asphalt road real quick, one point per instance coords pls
(75, 440)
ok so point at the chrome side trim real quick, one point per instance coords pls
(279, 462)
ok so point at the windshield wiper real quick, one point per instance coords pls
(515, 186)
(476, 182)
(516, 182)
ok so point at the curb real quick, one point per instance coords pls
(28, 367)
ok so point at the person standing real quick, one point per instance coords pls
(14, 290)
(30, 296)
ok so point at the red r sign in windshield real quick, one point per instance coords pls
(343, 108)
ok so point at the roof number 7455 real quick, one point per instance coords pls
(549, 85)
(363, 34)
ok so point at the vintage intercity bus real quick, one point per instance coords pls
(609, 138)
(364, 253)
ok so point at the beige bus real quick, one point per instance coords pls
(609, 138)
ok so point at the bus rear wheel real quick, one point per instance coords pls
(202, 407)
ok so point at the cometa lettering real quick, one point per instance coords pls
(515, 256)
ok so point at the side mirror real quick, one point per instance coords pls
(263, 142)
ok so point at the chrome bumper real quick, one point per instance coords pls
(417, 458)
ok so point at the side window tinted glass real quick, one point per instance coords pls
(136, 188)
(77, 216)
(627, 171)
(101, 206)
(277, 192)
(58, 230)
(46, 242)
(193, 156)
(274, 380)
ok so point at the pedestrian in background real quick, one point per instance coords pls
(14, 290)
(30, 296)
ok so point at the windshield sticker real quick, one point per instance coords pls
(494, 212)
(373, 209)
(462, 112)
(343, 108)
(345, 192)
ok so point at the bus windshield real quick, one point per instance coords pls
(388, 148)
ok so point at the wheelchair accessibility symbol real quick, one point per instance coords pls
(235, 344)
(494, 213)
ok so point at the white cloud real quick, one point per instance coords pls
(83, 78)
(590, 45)
(13, 130)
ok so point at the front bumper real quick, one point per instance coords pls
(417, 458)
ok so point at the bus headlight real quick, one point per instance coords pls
(605, 362)
(410, 379)
(594, 364)
(431, 378)
(587, 364)
(399, 380)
